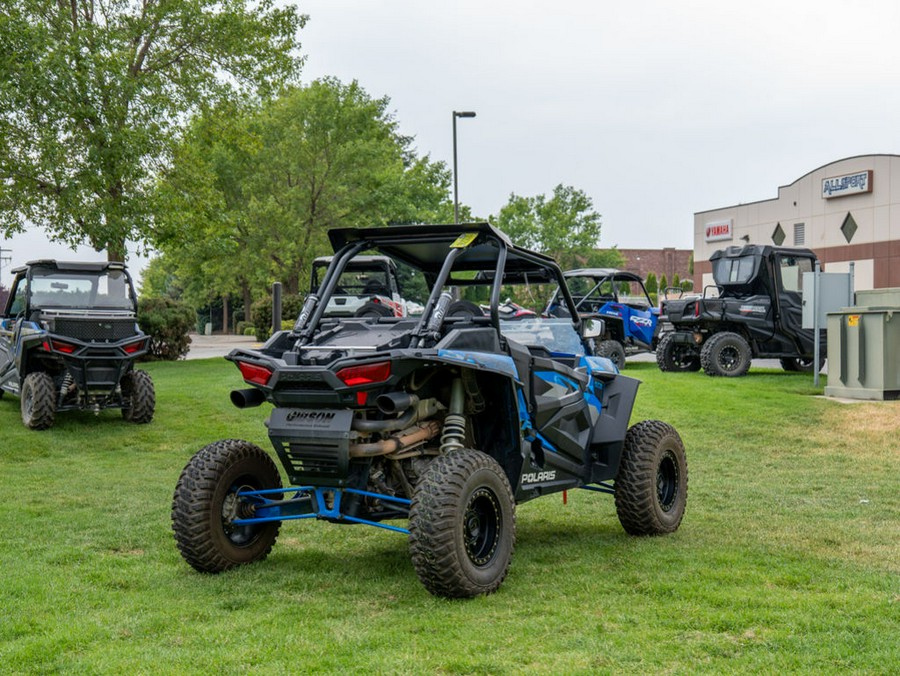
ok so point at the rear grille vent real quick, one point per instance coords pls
(94, 330)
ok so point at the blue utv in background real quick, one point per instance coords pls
(620, 298)
(442, 422)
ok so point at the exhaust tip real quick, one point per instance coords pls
(247, 398)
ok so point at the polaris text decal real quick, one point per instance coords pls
(538, 477)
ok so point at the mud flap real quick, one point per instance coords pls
(611, 426)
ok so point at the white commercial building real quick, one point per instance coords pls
(848, 210)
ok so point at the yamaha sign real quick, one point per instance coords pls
(719, 230)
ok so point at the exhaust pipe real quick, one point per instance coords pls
(247, 398)
(394, 402)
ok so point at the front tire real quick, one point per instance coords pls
(651, 486)
(672, 356)
(205, 504)
(462, 525)
(38, 402)
(726, 354)
(138, 397)
(612, 350)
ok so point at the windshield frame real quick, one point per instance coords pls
(128, 304)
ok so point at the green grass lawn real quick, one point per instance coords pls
(788, 559)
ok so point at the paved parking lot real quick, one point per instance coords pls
(203, 347)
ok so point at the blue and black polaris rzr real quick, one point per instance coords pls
(446, 421)
(620, 298)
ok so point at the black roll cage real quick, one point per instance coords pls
(350, 241)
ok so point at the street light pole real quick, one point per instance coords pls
(465, 113)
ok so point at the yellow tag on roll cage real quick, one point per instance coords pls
(464, 240)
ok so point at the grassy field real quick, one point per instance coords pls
(788, 559)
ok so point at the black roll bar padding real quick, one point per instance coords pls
(436, 292)
(497, 286)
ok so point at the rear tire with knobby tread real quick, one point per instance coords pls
(204, 494)
(612, 350)
(651, 486)
(672, 356)
(726, 354)
(462, 525)
(139, 397)
(38, 403)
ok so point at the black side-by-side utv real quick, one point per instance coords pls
(69, 339)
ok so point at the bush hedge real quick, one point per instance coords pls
(167, 322)
(291, 304)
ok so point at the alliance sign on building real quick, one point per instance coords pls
(848, 210)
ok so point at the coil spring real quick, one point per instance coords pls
(453, 435)
(66, 384)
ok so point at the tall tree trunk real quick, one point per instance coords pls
(225, 327)
(115, 251)
(248, 302)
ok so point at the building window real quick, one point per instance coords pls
(778, 235)
(799, 234)
(849, 227)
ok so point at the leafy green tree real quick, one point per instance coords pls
(563, 225)
(93, 94)
(253, 190)
(663, 284)
(159, 280)
(651, 284)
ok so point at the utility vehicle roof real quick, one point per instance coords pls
(759, 250)
(604, 272)
(357, 260)
(72, 266)
(427, 247)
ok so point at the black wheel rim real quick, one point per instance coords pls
(729, 357)
(234, 507)
(682, 358)
(667, 481)
(482, 523)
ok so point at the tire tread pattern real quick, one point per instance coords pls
(612, 350)
(43, 401)
(635, 486)
(191, 505)
(709, 354)
(434, 519)
(137, 389)
(665, 360)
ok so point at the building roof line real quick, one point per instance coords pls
(788, 185)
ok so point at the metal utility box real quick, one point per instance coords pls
(864, 350)
(879, 298)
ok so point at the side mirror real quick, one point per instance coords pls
(592, 328)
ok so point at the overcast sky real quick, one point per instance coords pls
(656, 109)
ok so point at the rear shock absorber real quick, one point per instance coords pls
(453, 435)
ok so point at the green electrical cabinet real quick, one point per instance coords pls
(864, 348)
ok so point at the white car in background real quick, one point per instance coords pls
(368, 287)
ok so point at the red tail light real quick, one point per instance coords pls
(131, 348)
(259, 375)
(59, 346)
(365, 374)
